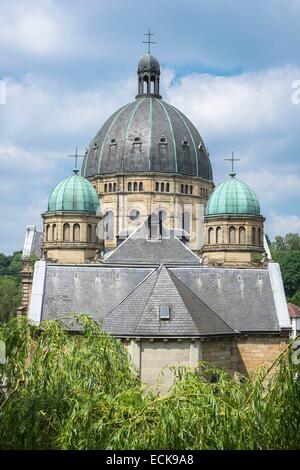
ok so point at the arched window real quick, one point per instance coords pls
(115, 187)
(110, 188)
(141, 186)
(242, 235)
(48, 233)
(129, 186)
(186, 222)
(54, 232)
(135, 186)
(168, 187)
(259, 241)
(162, 187)
(156, 186)
(191, 189)
(105, 188)
(155, 226)
(182, 188)
(66, 232)
(162, 214)
(231, 235)
(210, 235)
(109, 226)
(152, 85)
(253, 236)
(89, 233)
(76, 233)
(218, 235)
(186, 189)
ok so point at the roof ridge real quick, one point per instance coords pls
(172, 275)
(131, 292)
(159, 269)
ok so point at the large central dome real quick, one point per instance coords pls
(148, 135)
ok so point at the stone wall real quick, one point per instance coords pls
(173, 194)
(151, 358)
(250, 352)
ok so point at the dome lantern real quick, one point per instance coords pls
(148, 73)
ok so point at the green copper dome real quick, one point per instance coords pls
(232, 197)
(73, 194)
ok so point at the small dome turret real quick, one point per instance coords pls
(232, 197)
(74, 194)
(148, 76)
(149, 63)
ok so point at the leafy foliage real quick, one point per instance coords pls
(286, 251)
(11, 265)
(9, 297)
(65, 391)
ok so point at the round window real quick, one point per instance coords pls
(134, 215)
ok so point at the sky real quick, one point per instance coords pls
(232, 66)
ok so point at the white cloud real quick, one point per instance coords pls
(283, 224)
(251, 113)
(38, 27)
(242, 105)
(272, 187)
(39, 110)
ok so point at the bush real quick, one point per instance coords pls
(68, 391)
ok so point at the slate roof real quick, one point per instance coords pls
(138, 249)
(138, 314)
(93, 290)
(204, 301)
(242, 297)
(115, 148)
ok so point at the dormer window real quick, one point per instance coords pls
(164, 312)
(163, 140)
(137, 141)
(113, 142)
(96, 144)
(185, 142)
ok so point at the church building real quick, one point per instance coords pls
(144, 243)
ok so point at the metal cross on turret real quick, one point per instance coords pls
(232, 160)
(76, 156)
(149, 42)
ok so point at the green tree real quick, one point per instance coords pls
(286, 252)
(295, 299)
(11, 265)
(65, 391)
(9, 298)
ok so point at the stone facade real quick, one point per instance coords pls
(26, 286)
(182, 200)
(70, 237)
(233, 240)
(152, 358)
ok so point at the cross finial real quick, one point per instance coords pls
(149, 42)
(76, 156)
(232, 160)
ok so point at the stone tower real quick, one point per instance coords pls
(70, 223)
(234, 227)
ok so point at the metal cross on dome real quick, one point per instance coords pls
(232, 160)
(149, 42)
(76, 156)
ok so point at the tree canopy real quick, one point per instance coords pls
(64, 391)
(286, 251)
